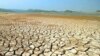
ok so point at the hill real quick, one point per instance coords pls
(50, 12)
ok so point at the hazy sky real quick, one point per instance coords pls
(77, 5)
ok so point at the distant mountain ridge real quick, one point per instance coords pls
(6, 10)
(30, 10)
(51, 12)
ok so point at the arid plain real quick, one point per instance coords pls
(49, 35)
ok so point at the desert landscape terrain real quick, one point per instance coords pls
(49, 35)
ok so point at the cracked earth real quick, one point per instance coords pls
(29, 35)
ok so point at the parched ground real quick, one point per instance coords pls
(44, 35)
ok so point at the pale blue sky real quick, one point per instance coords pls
(77, 5)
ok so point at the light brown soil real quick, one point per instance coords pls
(47, 35)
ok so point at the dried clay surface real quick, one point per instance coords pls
(29, 35)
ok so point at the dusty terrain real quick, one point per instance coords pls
(43, 35)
